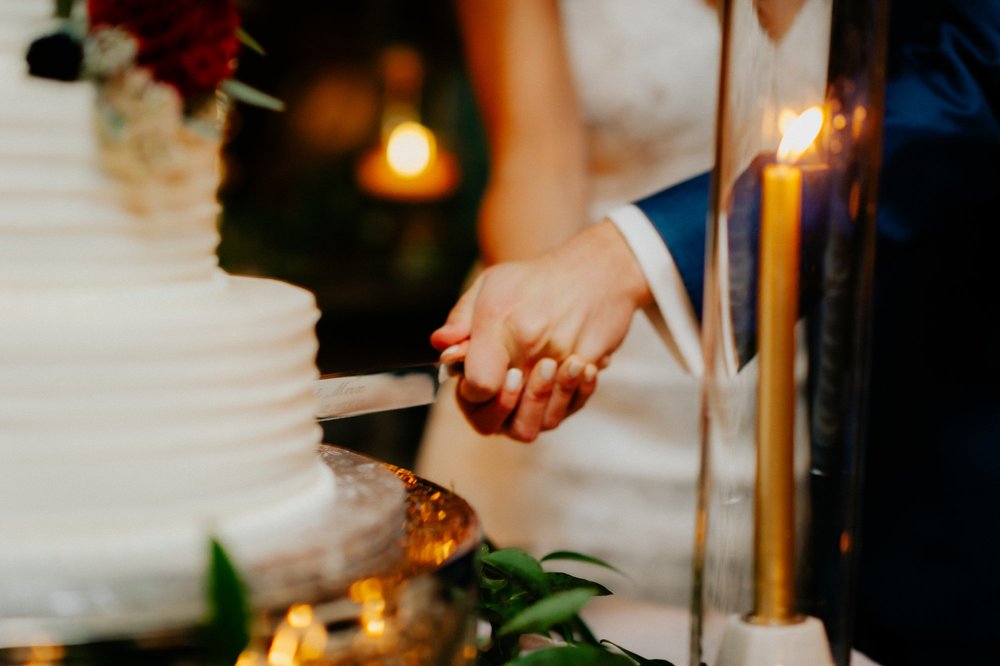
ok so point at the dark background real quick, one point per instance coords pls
(384, 272)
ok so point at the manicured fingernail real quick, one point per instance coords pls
(547, 369)
(574, 367)
(513, 380)
(590, 373)
(450, 351)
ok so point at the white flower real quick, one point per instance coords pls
(108, 51)
(145, 135)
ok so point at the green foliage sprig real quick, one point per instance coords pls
(520, 600)
(227, 627)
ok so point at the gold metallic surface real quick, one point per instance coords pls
(412, 606)
(774, 537)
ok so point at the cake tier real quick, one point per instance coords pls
(64, 220)
(148, 400)
(138, 423)
(21, 20)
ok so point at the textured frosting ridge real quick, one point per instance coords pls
(63, 218)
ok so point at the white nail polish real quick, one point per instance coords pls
(513, 380)
(590, 373)
(574, 367)
(451, 351)
(547, 369)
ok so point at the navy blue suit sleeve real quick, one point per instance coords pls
(680, 215)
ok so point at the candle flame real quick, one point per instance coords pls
(799, 134)
(410, 149)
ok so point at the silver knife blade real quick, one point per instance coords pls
(340, 395)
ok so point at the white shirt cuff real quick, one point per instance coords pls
(673, 315)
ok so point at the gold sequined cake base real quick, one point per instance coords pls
(410, 601)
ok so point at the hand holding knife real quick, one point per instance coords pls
(342, 395)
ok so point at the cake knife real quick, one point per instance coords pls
(351, 394)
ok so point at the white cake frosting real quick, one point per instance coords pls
(148, 400)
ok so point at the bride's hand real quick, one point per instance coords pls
(523, 409)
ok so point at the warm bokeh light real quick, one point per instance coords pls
(374, 626)
(251, 657)
(336, 112)
(45, 655)
(300, 639)
(858, 121)
(799, 134)
(284, 645)
(300, 616)
(409, 166)
(410, 149)
(369, 593)
(366, 589)
(313, 643)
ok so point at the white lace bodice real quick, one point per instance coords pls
(646, 72)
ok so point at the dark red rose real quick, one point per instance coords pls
(190, 44)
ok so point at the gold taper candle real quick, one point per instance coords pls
(777, 312)
(778, 301)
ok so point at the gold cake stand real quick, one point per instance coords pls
(403, 593)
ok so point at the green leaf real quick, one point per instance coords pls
(491, 584)
(642, 661)
(563, 581)
(228, 625)
(578, 557)
(63, 8)
(518, 565)
(247, 40)
(572, 655)
(583, 632)
(250, 95)
(559, 607)
(503, 609)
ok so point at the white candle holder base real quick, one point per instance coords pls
(800, 644)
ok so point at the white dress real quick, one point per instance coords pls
(616, 480)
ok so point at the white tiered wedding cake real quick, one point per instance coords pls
(148, 400)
